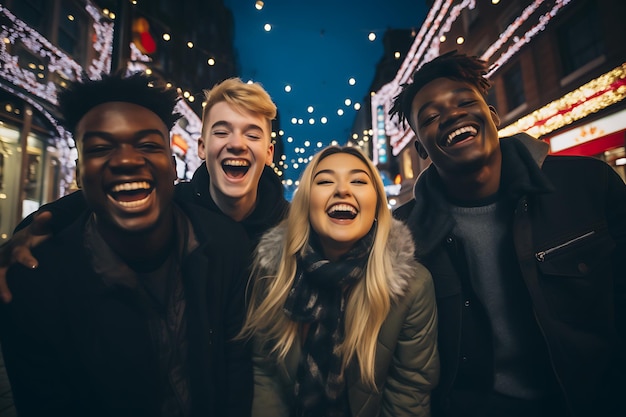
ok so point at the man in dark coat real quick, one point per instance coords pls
(237, 148)
(235, 180)
(526, 252)
(134, 308)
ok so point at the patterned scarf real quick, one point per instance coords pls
(317, 298)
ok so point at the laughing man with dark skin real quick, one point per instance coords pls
(235, 178)
(135, 305)
(526, 252)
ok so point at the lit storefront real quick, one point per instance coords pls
(589, 121)
(27, 158)
(37, 155)
(537, 50)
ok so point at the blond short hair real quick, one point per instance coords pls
(242, 96)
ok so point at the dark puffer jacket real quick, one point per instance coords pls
(77, 346)
(569, 231)
(406, 364)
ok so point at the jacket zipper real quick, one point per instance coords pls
(541, 256)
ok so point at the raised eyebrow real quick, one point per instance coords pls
(224, 123)
(456, 91)
(111, 137)
(360, 171)
(221, 123)
(423, 108)
(254, 127)
(148, 132)
(324, 171)
(332, 171)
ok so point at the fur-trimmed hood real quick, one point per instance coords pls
(399, 245)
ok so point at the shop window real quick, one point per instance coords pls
(10, 109)
(514, 87)
(616, 158)
(406, 165)
(580, 39)
(9, 178)
(71, 29)
(33, 181)
(31, 62)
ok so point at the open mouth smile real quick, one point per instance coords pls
(131, 194)
(460, 135)
(342, 211)
(235, 168)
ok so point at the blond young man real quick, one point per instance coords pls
(234, 180)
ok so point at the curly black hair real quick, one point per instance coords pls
(83, 95)
(453, 65)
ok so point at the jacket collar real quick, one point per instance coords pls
(399, 247)
(430, 220)
(271, 205)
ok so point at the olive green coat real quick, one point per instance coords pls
(407, 362)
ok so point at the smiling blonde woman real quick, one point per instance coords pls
(343, 319)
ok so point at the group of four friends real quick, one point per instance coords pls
(498, 290)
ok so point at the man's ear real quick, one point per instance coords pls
(77, 173)
(174, 167)
(420, 150)
(494, 116)
(270, 154)
(201, 150)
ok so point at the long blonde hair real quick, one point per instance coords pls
(368, 303)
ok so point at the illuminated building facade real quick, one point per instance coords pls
(44, 44)
(557, 68)
(396, 44)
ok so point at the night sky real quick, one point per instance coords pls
(316, 47)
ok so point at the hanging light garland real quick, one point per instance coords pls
(519, 42)
(433, 51)
(57, 60)
(103, 42)
(589, 98)
(440, 21)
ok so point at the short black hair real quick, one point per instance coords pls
(453, 65)
(145, 91)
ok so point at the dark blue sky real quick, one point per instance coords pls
(316, 46)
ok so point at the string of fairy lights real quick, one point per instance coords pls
(32, 78)
(591, 97)
(29, 62)
(426, 46)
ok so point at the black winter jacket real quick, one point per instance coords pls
(270, 209)
(569, 230)
(74, 346)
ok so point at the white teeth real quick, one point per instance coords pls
(130, 186)
(132, 204)
(342, 207)
(236, 163)
(459, 131)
